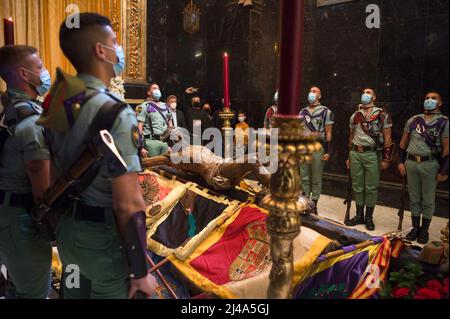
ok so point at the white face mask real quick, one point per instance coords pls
(173, 106)
(241, 119)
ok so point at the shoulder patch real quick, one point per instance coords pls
(135, 136)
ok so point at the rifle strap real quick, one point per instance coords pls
(47, 132)
(104, 120)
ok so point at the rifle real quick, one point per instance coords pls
(401, 211)
(348, 199)
(75, 180)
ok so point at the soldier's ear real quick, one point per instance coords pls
(23, 74)
(100, 51)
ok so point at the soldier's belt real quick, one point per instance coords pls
(86, 213)
(420, 159)
(364, 149)
(17, 200)
(153, 137)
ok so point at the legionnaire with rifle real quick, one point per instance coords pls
(24, 173)
(318, 119)
(348, 198)
(424, 159)
(401, 211)
(371, 150)
(103, 231)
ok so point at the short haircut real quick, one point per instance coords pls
(242, 112)
(12, 56)
(170, 97)
(373, 90)
(437, 93)
(77, 43)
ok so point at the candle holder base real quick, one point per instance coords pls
(226, 115)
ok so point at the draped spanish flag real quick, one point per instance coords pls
(220, 246)
(234, 261)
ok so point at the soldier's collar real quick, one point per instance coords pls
(17, 94)
(374, 109)
(92, 82)
(436, 112)
(316, 107)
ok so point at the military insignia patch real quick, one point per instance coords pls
(135, 136)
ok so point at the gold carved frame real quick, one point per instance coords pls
(129, 19)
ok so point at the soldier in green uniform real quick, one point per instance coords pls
(318, 119)
(24, 173)
(154, 119)
(371, 150)
(424, 159)
(103, 233)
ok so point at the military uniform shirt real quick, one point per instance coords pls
(318, 121)
(27, 144)
(360, 137)
(417, 145)
(69, 146)
(154, 123)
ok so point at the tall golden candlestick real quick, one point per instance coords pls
(285, 203)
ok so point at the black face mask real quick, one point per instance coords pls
(196, 105)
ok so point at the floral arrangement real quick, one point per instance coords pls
(117, 87)
(410, 283)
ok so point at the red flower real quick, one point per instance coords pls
(434, 285)
(426, 293)
(400, 293)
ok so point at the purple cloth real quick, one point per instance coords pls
(68, 107)
(336, 282)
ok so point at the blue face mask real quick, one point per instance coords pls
(366, 99)
(46, 82)
(312, 98)
(119, 64)
(157, 95)
(430, 105)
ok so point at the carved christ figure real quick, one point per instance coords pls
(218, 173)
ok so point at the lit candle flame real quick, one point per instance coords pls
(10, 19)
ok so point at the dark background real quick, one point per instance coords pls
(402, 60)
